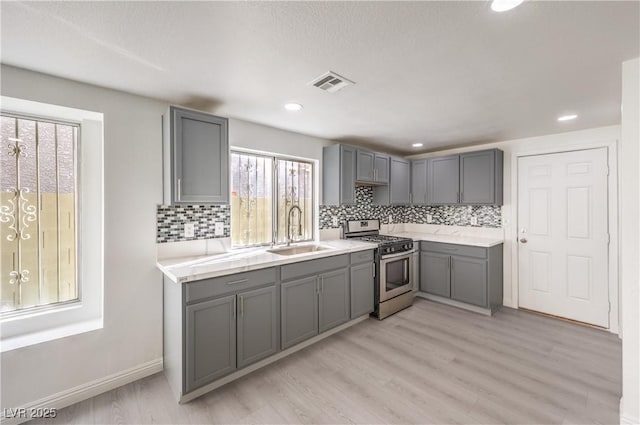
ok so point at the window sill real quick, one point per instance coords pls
(21, 341)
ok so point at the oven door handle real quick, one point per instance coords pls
(400, 254)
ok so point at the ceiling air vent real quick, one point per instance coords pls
(331, 82)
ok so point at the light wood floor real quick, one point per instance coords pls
(428, 364)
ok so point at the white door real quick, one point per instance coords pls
(563, 235)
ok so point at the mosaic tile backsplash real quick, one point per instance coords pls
(450, 215)
(171, 218)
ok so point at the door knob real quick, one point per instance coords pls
(523, 240)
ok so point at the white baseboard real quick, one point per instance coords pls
(85, 391)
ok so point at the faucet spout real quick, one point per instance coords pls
(288, 223)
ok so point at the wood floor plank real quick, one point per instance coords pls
(429, 364)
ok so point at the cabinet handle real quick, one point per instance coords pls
(235, 282)
(450, 264)
(179, 189)
(241, 309)
(321, 284)
(458, 196)
(233, 310)
(410, 197)
(450, 249)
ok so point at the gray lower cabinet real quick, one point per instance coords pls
(435, 274)
(469, 280)
(468, 274)
(416, 272)
(362, 289)
(333, 299)
(210, 341)
(299, 299)
(338, 175)
(257, 325)
(196, 157)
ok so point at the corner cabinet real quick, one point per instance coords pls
(466, 274)
(196, 157)
(419, 182)
(443, 180)
(481, 177)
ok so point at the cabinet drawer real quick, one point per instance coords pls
(227, 284)
(454, 249)
(292, 271)
(362, 257)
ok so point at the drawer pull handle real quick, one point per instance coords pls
(450, 249)
(235, 282)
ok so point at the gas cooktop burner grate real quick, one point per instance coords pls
(382, 239)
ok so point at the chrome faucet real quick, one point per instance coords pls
(288, 223)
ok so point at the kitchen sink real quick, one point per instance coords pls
(293, 250)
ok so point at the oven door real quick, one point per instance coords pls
(396, 275)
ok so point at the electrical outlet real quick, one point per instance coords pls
(334, 221)
(390, 219)
(189, 230)
(429, 218)
(219, 228)
(474, 220)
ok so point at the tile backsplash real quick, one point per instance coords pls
(451, 215)
(172, 218)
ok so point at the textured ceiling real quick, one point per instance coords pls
(440, 73)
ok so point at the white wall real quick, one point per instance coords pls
(601, 136)
(132, 333)
(629, 245)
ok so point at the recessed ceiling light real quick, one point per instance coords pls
(567, 117)
(504, 5)
(292, 106)
(417, 145)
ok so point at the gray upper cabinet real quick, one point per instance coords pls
(258, 320)
(481, 177)
(397, 191)
(196, 157)
(419, 182)
(362, 288)
(210, 341)
(333, 305)
(299, 300)
(365, 166)
(372, 167)
(443, 180)
(338, 175)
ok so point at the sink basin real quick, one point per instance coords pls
(293, 250)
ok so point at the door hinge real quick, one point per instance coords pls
(609, 306)
(607, 170)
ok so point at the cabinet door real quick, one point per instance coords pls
(419, 182)
(347, 175)
(381, 165)
(415, 284)
(211, 341)
(443, 179)
(365, 164)
(333, 305)
(434, 274)
(201, 157)
(299, 310)
(257, 325)
(478, 177)
(469, 280)
(399, 183)
(362, 289)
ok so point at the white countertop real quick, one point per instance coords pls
(472, 240)
(196, 267)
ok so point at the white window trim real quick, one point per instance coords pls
(85, 315)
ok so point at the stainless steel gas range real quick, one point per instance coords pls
(394, 268)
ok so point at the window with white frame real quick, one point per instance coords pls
(265, 191)
(38, 205)
(51, 222)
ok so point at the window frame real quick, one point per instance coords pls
(28, 311)
(40, 324)
(275, 224)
